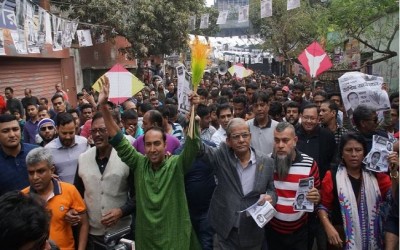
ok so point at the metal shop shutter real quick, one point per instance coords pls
(40, 75)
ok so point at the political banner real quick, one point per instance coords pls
(7, 15)
(184, 89)
(222, 17)
(358, 88)
(192, 23)
(243, 14)
(293, 4)
(204, 21)
(2, 50)
(266, 8)
(84, 38)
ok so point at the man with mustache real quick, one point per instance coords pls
(245, 177)
(100, 168)
(67, 147)
(162, 219)
(47, 131)
(288, 229)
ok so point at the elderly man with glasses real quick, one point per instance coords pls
(245, 176)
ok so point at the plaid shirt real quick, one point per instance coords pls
(339, 132)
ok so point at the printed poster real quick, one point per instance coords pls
(377, 158)
(293, 4)
(358, 88)
(261, 214)
(18, 37)
(192, 23)
(266, 8)
(84, 38)
(300, 201)
(2, 50)
(204, 21)
(222, 17)
(184, 89)
(243, 14)
(7, 16)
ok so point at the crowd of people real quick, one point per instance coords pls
(73, 172)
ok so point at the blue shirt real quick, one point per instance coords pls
(66, 158)
(13, 171)
(30, 131)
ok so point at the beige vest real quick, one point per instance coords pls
(104, 192)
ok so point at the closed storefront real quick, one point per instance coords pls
(40, 75)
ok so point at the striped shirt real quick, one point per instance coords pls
(177, 132)
(287, 220)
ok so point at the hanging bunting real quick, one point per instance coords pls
(192, 23)
(20, 12)
(223, 16)
(2, 50)
(41, 27)
(84, 38)
(29, 9)
(204, 21)
(18, 37)
(31, 36)
(57, 34)
(66, 35)
(7, 16)
(293, 4)
(266, 8)
(243, 14)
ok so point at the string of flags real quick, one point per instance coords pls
(31, 27)
(236, 49)
(243, 14)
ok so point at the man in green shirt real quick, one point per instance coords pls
(162, 217)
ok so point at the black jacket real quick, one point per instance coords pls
(320, 145)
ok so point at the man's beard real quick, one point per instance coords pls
(283, 164)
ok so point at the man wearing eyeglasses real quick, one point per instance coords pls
(103, 181)
(318, 143)
(245, 177)
(366, 123)
(47, 131)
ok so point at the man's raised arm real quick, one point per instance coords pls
(111, 125)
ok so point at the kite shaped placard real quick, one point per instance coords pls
(240, 71)
(315, 60)
(123, 84)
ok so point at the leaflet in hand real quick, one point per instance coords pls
(261, 214)
(300, 201)
(376, 159)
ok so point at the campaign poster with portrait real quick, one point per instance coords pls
(2, 50)
(266, 8)
(184, 89)
(222, 17)
(84, 38)
(300, 201)
(204, 21)
(358, 88)
(243, 14)
(377, 158)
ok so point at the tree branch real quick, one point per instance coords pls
(378, 60)
(372, 47)
(396, 29)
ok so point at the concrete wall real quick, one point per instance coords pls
(388, 69)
